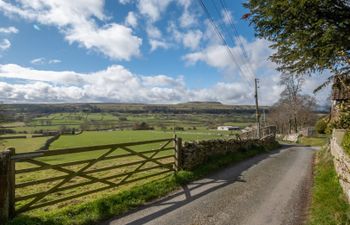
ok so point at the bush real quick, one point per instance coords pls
(142, 126)
(179, 128)
(346, 142)
(321, 126)
(123, 118)
(344, 120)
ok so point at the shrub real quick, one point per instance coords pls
(123, 118)
(179, 128)
(346, 142)
(321, 126)
(142, 126)
(344, 120)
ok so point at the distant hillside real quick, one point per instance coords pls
(188, 107)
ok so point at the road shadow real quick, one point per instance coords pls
(192, 191)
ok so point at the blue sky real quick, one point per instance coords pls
(152, 51)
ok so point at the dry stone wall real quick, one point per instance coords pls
(341, 161)
(196, 153)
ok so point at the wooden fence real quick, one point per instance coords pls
(9, 199)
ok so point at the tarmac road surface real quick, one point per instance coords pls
(271, 189)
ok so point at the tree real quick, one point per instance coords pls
(309, 36)
(281, 114)
(292, 84)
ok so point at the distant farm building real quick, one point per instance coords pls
(228, 128)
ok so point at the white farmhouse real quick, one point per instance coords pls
(228, 128)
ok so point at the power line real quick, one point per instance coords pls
(238, 37)
(218, 32)
(241, 46)
(244, 59)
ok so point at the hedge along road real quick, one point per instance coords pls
(271, 189)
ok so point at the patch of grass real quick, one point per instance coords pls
(117, 204)
(314, 141)
(111, 137)
(23, 144)
(328, 205)
(346, 142)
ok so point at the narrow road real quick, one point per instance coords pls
(269, 189)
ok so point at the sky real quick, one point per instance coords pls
(140, 51)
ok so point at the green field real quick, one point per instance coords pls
(111, 137)
(106, 128)
(23, 144)
(91, 138)
(103, 121)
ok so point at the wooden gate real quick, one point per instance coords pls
(126, 163)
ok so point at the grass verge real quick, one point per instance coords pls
(104, 208)
(314, 141)
(346, 142)
(328, 205)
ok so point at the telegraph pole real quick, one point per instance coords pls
(257, 108)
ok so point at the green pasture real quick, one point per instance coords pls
(196, 127)
(112, 137)
(91, 138)
(23, 144)
(56, 121)
(71, 118)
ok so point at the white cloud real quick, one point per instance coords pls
(155, 44)
(215, 56)
(155, 38)
(42, 60)
(77, 21)
(38, 61)
(218, 56)
(4, 44)
(114, 84)
(153, 9)
(131, 19)
(54, 61)
(153, 32)
(124, 2)
(8, 30)
(114, 40)
(188, 18)
(192, 39)
(227, 17)
(117, 84)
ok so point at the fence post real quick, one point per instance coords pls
(12, 177)
(178, 153)
(7, 186)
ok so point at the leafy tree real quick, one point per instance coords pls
(308, 35)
